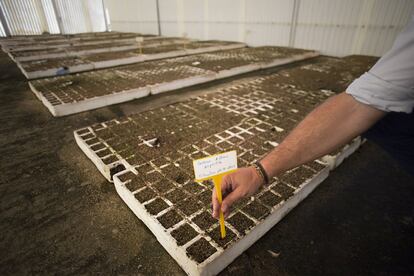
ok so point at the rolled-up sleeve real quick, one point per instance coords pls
(389, 85)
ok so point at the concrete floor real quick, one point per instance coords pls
(60, 216)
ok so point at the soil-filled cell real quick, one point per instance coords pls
(193, 188)
(284, 190)
(156, 206)
(184, 234)
(170, 219)
(216, 236)
(176, 195)
(316, 166)
(204, 220)
(241, 222)
(205, 197)
(145, 195)
(152, 177)
(135, 184)
(126, 176)
(200, 250)
(256, 210)
(163, 186)
(189, 206)
(270, 199)
(297, 176)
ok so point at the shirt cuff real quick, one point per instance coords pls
(376, 92)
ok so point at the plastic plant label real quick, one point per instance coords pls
(206, 168)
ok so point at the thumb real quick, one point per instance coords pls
(228, 202)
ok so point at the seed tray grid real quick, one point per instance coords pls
(251, 134)
(95, 89)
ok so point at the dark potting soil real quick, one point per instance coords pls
(92, 141)
(159, 162)
(152, 177)
(212, 150)
(111, 159)
(126, 176)
(270, 199)
(98, 146)
(145, 195)
(169, 219)
(216, 236)
(200, 250)
(256, 210)
(189, 206)
(88, 136)
(156, 206)
(240, 222)
(144, 169)
(297, 176)
(284, 190)
(204, 220)
(184, 234)
(317, 167)
(175, 174)
(193, 187)
(103, 153)
(163, 186)
(205, 197)
(176, 195)
(135, 184)
(240, 203)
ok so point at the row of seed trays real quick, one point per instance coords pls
(80, 63)
(70, 50)
(149, 158)
(85, 91)
(53, 41)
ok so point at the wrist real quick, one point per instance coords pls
(261, 173)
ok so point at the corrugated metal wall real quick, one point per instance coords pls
(24, 17)
(79, 16)
(30, 17)
(335, 27)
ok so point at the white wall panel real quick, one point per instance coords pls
(268, 22)
(334, 27)
(133, 15)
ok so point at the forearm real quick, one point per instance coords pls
(331, 125)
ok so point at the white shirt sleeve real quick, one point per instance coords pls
(389, 85)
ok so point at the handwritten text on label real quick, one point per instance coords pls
(214, 165)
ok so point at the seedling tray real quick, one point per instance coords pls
(66, 65)
(85, 91)
(149, 157)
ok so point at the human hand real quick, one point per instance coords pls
(237, 185)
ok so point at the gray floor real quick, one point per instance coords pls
(59, 215)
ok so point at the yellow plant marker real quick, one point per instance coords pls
(215, 167)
